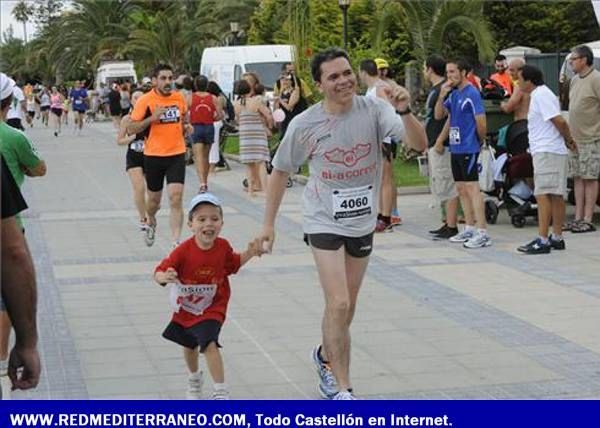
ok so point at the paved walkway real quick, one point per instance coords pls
(434, 321)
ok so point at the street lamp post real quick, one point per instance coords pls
(344, 5)
(234, 27)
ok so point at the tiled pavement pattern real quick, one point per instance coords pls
(434, 320)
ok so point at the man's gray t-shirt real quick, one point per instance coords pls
(344, 159)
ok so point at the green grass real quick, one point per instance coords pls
(405, 172)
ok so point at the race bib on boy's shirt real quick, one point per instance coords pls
(192, 298)
(171, 115)
(352, 203)
(454, 135)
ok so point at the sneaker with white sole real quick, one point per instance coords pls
(327, 386)
(479, 240)
(220, 394)
(195, 382)
(150, 235)
(463, 236)
(344, 395)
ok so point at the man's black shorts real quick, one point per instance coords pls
(356, 247)
(464, 166)
(157, 168)
(199, 335)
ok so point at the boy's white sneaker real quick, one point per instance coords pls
(195, 382)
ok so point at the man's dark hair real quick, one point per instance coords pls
(214, 88)
(6, 102)
(201, 83)
(584, 51)
(531, 73)
(500, 57)
(437, 63)
(188, 83)
(241, 87)
(369, 66)
(325, 56)
(461, 63)
(284, 66)
(160, 67)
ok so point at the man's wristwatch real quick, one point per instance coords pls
(404, 112)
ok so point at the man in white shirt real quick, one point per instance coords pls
(549, 138)
(17, 110)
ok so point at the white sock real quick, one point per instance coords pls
(197, 374)
(469, 228)
(220, 386)
(482, 232)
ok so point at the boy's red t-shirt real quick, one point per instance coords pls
(207, 271)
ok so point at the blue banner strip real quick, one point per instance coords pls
(257, 414)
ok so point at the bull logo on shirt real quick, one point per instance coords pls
(350, 157)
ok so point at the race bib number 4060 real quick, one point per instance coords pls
(352, 203)
(172, 115)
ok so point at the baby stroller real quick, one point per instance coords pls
(516, 168)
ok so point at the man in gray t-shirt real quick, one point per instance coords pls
(340, 138)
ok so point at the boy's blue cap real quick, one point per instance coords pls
(206, 197)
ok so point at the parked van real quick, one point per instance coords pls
(115, 71)
(566, 73)
(226, 64)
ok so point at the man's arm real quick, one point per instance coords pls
(414, 131)
(439, 111)
(513, 102)
(439, 142)
(37, 171)
(276, 186)
(137, 126)
(481, 127)
(563, 127)
(19, 292)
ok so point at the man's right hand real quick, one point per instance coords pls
(267, 239)
(27, 359)
(445, 89)
(158, 112)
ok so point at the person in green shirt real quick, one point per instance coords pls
(21, 159)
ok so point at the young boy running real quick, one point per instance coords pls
(199, 268)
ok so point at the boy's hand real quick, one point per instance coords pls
(168, 276)
(254, 248)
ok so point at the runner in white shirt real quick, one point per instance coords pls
(17, 110)
(340, 138)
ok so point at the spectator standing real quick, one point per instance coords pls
(584, 123)
(466, 129)
(518, 104)
(548, 132)
(501, 76)
(442, 183)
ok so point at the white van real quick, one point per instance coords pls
(566, 73)
(226, 64)
(115, 71)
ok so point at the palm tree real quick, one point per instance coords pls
(94, 30)
(428, 23)
(22, 12)
(173, 36)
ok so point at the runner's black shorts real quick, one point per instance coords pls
(199, 335)
(464, 166)
(57, 111)
(134, 159)
(31, 114)
(356, 247)
(389, 150)
(157, 168)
